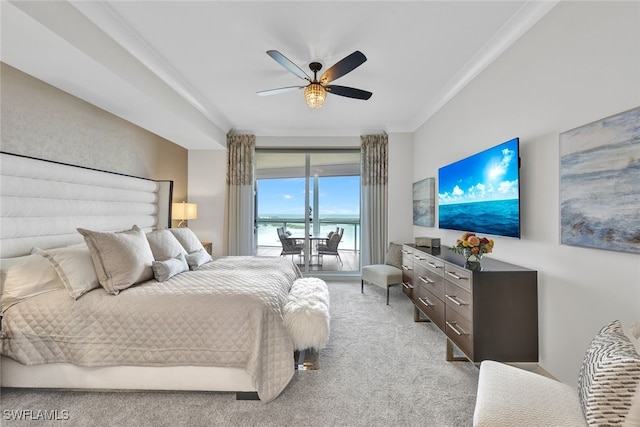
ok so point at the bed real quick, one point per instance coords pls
(98, 292)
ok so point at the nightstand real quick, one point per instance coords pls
(208, 246)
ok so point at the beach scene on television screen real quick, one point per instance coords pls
(481, 193)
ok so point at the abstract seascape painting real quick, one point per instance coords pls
(424, 202)
(600, 184)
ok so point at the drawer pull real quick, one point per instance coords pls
(455, 276)
(425, 302)
(407, 285)
(427, 280)
(406, 252)
(406, 268)
(454, 326)
(455, 300)
(433, 265)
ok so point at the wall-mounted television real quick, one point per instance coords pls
(481, 193)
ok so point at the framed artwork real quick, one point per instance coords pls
(424, 202)
(600, 184)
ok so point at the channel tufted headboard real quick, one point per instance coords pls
(43, 202)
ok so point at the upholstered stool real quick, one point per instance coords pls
(387, 274)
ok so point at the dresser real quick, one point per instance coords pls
(488, 314)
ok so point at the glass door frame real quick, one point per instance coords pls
(311, 183)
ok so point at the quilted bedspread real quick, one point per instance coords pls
(228, 314)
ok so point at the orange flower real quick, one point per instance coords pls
(470, 243)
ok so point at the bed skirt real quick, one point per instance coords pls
(69, 376)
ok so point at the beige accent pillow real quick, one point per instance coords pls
(197, 258)
(164, 270)
(187, 239)
(24, 277)
(74, 266)
(121, 259)
(164, 245)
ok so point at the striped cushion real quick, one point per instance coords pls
(609, 377)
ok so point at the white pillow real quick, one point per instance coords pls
(74, 266)
(121, 259)
(187, 239)
(24, 277)
(163, 270)
(164, 245)
(197, 258)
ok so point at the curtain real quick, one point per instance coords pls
(374, 155)
(238, 219)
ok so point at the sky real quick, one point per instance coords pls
(338, 196)
(489, 175)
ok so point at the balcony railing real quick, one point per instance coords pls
(267, 230)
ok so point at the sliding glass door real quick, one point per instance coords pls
(302, 199)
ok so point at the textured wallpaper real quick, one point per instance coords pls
(41, 121)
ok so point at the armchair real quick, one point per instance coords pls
(387, 274)
(289, 246)
(331, 246)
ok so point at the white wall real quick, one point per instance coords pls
(580, 63)
(207, 175)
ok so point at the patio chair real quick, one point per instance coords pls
(331, 247)
(289, 246)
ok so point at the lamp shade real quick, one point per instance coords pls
(184, 211)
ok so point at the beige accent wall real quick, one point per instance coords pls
(41, 121)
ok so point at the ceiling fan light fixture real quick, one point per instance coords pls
(315, 95)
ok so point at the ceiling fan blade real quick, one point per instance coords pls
(349, 92)
(278, 91)
(343, 67)
(288, 64)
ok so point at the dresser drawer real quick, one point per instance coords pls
(430, 305)
(460, 331)
(458, 275)
(407, 289)
(431, 263)
(459, 299)
(429, 280)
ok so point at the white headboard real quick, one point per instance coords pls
(43, 202)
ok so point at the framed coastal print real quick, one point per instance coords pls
(600, 184)
(424, 202)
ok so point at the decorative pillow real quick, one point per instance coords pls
(197, 258)
(163, 270)
(609, 376)
(74, 267)
(24, 277)
(121, 259)
(164, 245)
(187, 239)
(394, 255)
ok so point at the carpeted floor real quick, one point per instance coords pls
(379, 369)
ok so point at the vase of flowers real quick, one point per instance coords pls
(472, 248)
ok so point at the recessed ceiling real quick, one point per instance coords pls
(189, 71)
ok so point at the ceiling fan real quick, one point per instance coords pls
(316, 91)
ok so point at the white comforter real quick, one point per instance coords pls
(228, 314)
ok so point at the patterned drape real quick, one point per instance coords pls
(374, 155)
(239, 195)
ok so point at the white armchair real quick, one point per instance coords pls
(387, 274)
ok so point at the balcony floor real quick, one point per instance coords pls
(350, 259)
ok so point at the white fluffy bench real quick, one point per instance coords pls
(306, 314)
(608, 392)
